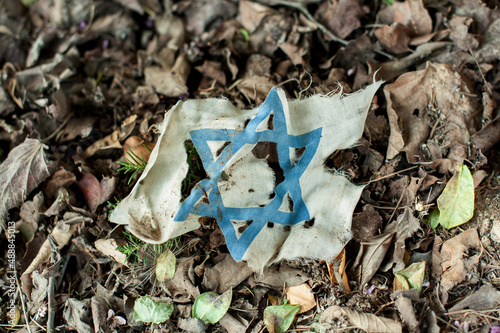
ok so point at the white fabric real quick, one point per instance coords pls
(150, 209)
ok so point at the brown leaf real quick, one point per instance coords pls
(455, 262)
(410, 13)
(301, 295)
(251, 14)
(170, 82)
(62, 233)
(341, 16)
(77, 314)
(487, 136)
(366, 321)
(405, 227)
(394, 39)
(60, 178)
(486, 298)
(212, 69)
(225, 275)
(113, 139)
(181, 287)
(274, 278)
(372, 254)
(405, 308)
(22, 171)
(366, 224)
(411, 119)
(136, 145)
(108, 248)
(95, 192)
(459, 26)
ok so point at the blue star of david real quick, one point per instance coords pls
(292, 172)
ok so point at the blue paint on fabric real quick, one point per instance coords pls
(260, 216)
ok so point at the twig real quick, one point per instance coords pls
(481, 72)
(23, 304)
(65, 122)
(390, 175)
(50, 292)
(51, 311)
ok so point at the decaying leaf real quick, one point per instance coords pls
(411, 277)
(454, 262)
(372, 254)
(211, 307)
(337, 272)
(96, 192)
(366, 321)
(113, 139)
(151, 311)
(108, 247)
(226, 274)
(165, 266)
(486, 298)
(417, 101)
(301, 295)
(278, 318)
(77, 314)
(22, 171)
(405, 227)
(62, 233)
(456, 203)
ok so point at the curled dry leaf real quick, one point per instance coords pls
(301, 295)
(372, 254)
(365, 321)
(112, 140)
(138, 146)
(454, 261)
(22, 171)
(108, 247)
(95, 192)
(420, 101)
(62, 234)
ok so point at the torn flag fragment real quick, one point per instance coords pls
(266, 183)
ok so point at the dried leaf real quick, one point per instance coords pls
(77, 314)
(226, 274)
(372, 254)
(454, 260)
(23, 170)
(108, 247)
(336, 269)
(301, 295)
(456, 203)
(95, 192)
(365, 321)
(165, 266)
(487, 297)
(405, 227)
(410, 277)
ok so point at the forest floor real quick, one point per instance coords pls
(82, 82)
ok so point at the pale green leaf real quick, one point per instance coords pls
(411, 277)
(433, 218)
(456, 203)
(150, 311)
(278, 318)
(165, 266)
(211, 307)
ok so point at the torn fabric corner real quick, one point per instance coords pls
(266, 183)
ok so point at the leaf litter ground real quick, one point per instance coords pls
(82, 82)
